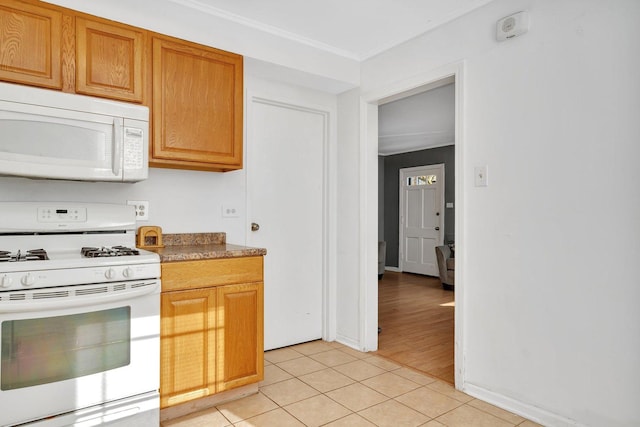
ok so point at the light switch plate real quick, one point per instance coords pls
(481, 174)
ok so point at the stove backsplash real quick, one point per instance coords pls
(179, 201)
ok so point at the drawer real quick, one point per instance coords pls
(212, 272)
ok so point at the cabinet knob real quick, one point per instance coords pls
(255, 226)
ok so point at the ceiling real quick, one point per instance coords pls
(360, 29)
(417, 122)
(357, 29)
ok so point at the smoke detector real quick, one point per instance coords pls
(512, 26)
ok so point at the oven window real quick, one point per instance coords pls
(45, 350)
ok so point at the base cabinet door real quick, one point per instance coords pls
(30, 44)
(240, 314)
(212, 327)
(187, 345)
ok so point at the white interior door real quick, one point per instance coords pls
(421, 218)
(285, 176)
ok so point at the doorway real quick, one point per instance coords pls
(429, 83)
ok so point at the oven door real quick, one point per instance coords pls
(70, 348)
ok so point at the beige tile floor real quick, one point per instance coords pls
(328, 384)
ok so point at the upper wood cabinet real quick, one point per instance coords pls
(30, 44)
(197, 107)
(110, 60)
(194, 92)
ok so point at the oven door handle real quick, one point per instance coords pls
(62, 298)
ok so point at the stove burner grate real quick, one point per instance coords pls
(30, 255)
(93, 252)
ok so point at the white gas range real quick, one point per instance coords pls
(79, 317)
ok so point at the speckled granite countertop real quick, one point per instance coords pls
(199, 246)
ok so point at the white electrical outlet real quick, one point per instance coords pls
(230, 211)
(142, 209)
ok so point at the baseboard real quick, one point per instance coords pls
(207, 402)
(525, 410)
(394, 269)
(349, 342)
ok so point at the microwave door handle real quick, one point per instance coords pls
(116, 152)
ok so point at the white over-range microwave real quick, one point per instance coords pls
(55, 135)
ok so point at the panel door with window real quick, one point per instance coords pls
(421, 218)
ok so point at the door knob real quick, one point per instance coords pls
(255, 227)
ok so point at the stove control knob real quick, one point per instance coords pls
(110, 273)
(128, 272)
(28, 279)
(6, 281)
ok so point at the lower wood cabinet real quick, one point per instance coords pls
(239, 335)
(187, 345)
(212, 332)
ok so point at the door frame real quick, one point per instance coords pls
(329, 213)
(440, 166)
(368, 149)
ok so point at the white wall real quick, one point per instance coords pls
(551, 246)
(179, 201)
(348, 276)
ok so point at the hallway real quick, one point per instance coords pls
(417, 320)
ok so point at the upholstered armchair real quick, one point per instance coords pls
(446, 267)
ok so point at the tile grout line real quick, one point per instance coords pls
(365, 379)
(387, 398)
(418, 379)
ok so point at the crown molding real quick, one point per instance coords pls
(250, 23)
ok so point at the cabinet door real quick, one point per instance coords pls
(109, 60)
(240, 335)
(197, 107)
(30, 44)
(187, 346)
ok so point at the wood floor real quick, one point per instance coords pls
(416, 316)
